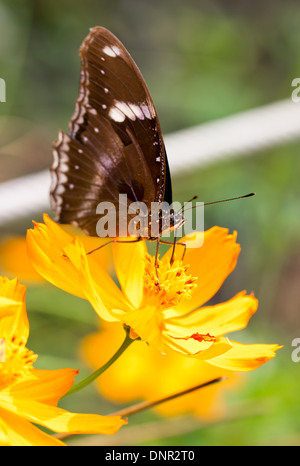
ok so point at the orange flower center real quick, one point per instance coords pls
(16, 362)
(167, 284)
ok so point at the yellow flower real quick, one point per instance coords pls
(14, 260)
(29, 396)
(144, 374)
(169, 315)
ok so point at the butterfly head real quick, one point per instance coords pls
(177, 219)
(170, 221)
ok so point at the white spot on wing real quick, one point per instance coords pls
(108, 51)
(112, 51)
(60, 137)
(116, 50)
(81, 103)
(64, 167)
(53, 181)
(145, 110)
(60, 188)
(55, 160)
(131, 110)
(116, 115)
(137, 111)
(59, 202)
(124, 108)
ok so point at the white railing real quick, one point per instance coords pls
(242, 134)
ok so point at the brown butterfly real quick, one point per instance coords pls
(114, 145)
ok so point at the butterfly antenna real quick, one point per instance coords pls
(191, 200)
(222, 200)
(231, 199)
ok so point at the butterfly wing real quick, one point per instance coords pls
(114, 145)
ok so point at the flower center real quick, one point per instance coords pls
(16, 362)
(167, 284)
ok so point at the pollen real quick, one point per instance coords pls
(17, 362)
(169, 284)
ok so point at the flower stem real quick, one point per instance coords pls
(150, 404)
(126, 343)
(137, 408)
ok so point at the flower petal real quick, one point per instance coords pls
(45, 244)
(7, 306)
(211, 263)
(14, 295)
(217, 320)
(20, 432)
(15, 262)
(204, 350)
(62, 260)
(143, 373)
(129, 262)
(242, 357)
(76, 255)
(146, 323)
(45, 386)
(103, 255)
(60, 420)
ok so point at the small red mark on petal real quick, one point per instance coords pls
(199, 337)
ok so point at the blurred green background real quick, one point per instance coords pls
(202, 60)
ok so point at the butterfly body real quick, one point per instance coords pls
(114, 145)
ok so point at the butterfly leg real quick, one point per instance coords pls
(173, 243)
(173, 250)
(115, 241)
(156, 259)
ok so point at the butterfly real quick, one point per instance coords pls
(114, 148)
(114, 145)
